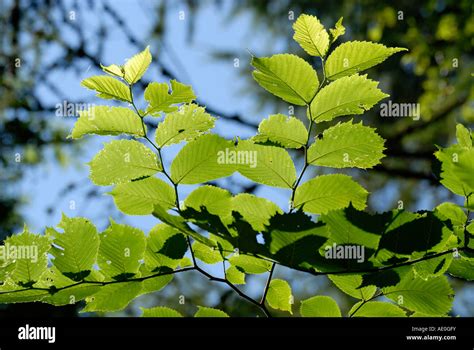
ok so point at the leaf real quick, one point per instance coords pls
(356, 56)
(113, 69)
(279, 295)
(337, 31)
(319, 306)
(347, 145)
(123, 161)
(216, 200)
(286, 76)
(353, 227)
(113, 297)
(178, 222)
(382, 279)
(311, 35)
(190, 122)
(433, 267)
(349, 284)
(154, 284)
(346, 96)
(136, 66)
(139, 197)
(433, 296)
(283, 131)
(294, 240)
(75, 250)
(68, 296)
(160, 99)
(423, 232)
(23, 296)
(457, 167)
(463, 136)
(165, 246)
(255, 210)
(376, 309)
(206, 254)
(329, 192)
(160, 311)
(249, 264)
(27, 251)
(462, 267)
(267, 165)
(121, 249)
(105, 120)
(209, 312)
(234, 275)
(202, 160)
(108, 88)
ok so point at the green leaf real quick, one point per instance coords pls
(139, 197)
(376, 309)
(123, 161)
(462, 267)
(209, 312)
(136, 66)
(108, 88)
(206, 254)
(165, 246)
(329, 192)
(178, 222)
(121, 249)
(463, 136)
(286, 76)
(113, 297)
(75, 250)
(190, 122)
(25, 296)
(311, 35)
(202, 160)
(217, 201)
(433, 267)
(432, 234)
(105, 120)
(283, 131)
(160, 99)
(347, 145)
(356, 56)
(255, 210)
(250, 264)
(457, 167)
(289, 233)
(28, 253)
(349, 284)
(153, 284)
(267, 165)
(337, 31)
(279, 295)
(433, 296)
(70, 295)
(352, 227)
(319, 306)
(160, 311)
(114, 70)
(346, 96)
(234, 275)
